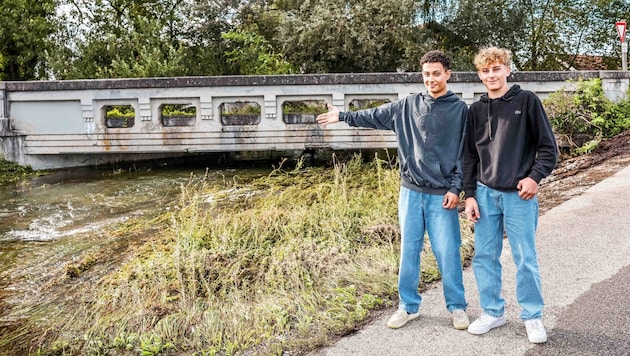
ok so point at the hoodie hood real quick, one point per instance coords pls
(449, 96)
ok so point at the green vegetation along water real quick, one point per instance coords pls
(219, 262)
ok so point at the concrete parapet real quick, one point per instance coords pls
(288, 80)
(56, 124)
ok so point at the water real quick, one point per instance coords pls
(81, 200)
(47, 222)
(66, 203)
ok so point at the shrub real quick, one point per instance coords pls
(11, 172)
(169, 110)
(582, 118)
(120, 111)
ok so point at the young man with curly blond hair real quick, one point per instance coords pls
(510, 147)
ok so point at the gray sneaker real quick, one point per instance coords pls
(400, 318)
(460, 319)
(535, 331)
(485, 323)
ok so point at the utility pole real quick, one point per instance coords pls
(621, 31)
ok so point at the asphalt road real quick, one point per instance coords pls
(584, 255)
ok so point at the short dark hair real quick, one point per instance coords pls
(437, 57)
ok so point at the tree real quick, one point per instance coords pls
(348, 36)
(26, 27)
(206, 48)
(1, 65)
(543, 34)
(121, 38)
(251, 53)
(70, 39)
(473, 25)
(592, 30)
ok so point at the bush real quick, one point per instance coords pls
(120, 111)
(582, 118)
(11, 172)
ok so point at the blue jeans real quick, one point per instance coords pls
(417, 213)
(506, 211)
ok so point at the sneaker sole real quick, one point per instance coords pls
(410, 318)
(537, 341)
(461, 326)
(483, 331)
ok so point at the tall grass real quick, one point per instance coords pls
(281, 263)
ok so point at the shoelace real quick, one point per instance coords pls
(535, 324)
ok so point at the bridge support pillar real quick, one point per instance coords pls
(338, 100)
(270, 110)
(205, 106)
(5, 125)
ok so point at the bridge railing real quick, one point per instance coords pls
(54, 124)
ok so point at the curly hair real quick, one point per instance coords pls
(487, 56)
(436, 57)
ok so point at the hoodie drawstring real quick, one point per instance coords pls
(489, 121)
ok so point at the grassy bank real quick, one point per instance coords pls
(280, 263)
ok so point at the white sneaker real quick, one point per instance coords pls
(535, 331)
(400, 318)
(460, 319)
(485, 323)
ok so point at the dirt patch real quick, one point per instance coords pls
(573, 176)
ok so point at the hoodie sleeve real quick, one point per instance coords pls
(544, 139)
(470, 158)
(458, 176)
(380, 118)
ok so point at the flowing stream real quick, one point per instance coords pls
(47, 221)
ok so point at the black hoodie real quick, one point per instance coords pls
(430, 135)
(508, 139)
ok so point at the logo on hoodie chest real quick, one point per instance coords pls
(422, 110)
(429, 127)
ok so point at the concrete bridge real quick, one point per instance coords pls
(57, 124)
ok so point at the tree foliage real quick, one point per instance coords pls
(543, 34)
(138, 38)
(26, 27)
(349, 36)
(70, 39)
(251, 53)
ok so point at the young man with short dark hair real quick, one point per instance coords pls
(430, 130)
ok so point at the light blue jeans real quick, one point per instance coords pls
(506, 211)
(420, 212)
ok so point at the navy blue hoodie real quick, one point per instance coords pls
(430, 135)
(508, 139)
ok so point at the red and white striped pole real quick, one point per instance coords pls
(621, 31)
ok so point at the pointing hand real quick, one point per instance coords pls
(329, 117)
